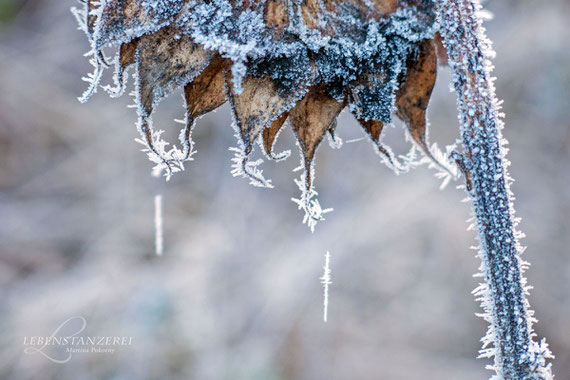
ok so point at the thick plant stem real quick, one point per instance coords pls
(510, 337)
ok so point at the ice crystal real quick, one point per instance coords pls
(242, 167)
(326, 281)
(158, 228)
(308, 201)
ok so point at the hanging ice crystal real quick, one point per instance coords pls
(326, 281)
(158, 227)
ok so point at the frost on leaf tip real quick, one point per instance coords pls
(260, 102)
(164, 63)
(270, 135)
(125, 58)
(373, 129)
(413, 96)
(311, 118)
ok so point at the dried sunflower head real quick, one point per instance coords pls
(274, 60)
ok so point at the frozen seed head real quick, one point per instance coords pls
(301, 61)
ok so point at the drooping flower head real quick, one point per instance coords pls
(301, 61)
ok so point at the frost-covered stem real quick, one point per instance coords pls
(503, 295)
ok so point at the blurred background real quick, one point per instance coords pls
(236, 294)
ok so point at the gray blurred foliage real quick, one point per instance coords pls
(236, 294)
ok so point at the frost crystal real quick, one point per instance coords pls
(308, 201)
(326, 281)
(158, 232)
(242, 167)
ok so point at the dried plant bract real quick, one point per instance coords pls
(278, 63)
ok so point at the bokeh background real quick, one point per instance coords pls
(237, 293)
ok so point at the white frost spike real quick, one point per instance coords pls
(352, 141)
(242, 167)
(119, 80)
(435, 159)
(80, 15)
(168, 161)
(326, 281)
(277, 157)
(335, 142)
(388, 159)
(158, 230)
(94, 78)
(308, 201)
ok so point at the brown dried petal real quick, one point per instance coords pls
(310, 9)
(258, 105)
(413, 96)
(204, 94)
(270, 135)
(442, 57)
(127, 53)
(311, 118)
(207, 91)
(166, 62)
(374, 129)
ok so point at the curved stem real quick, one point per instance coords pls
(517, 355)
